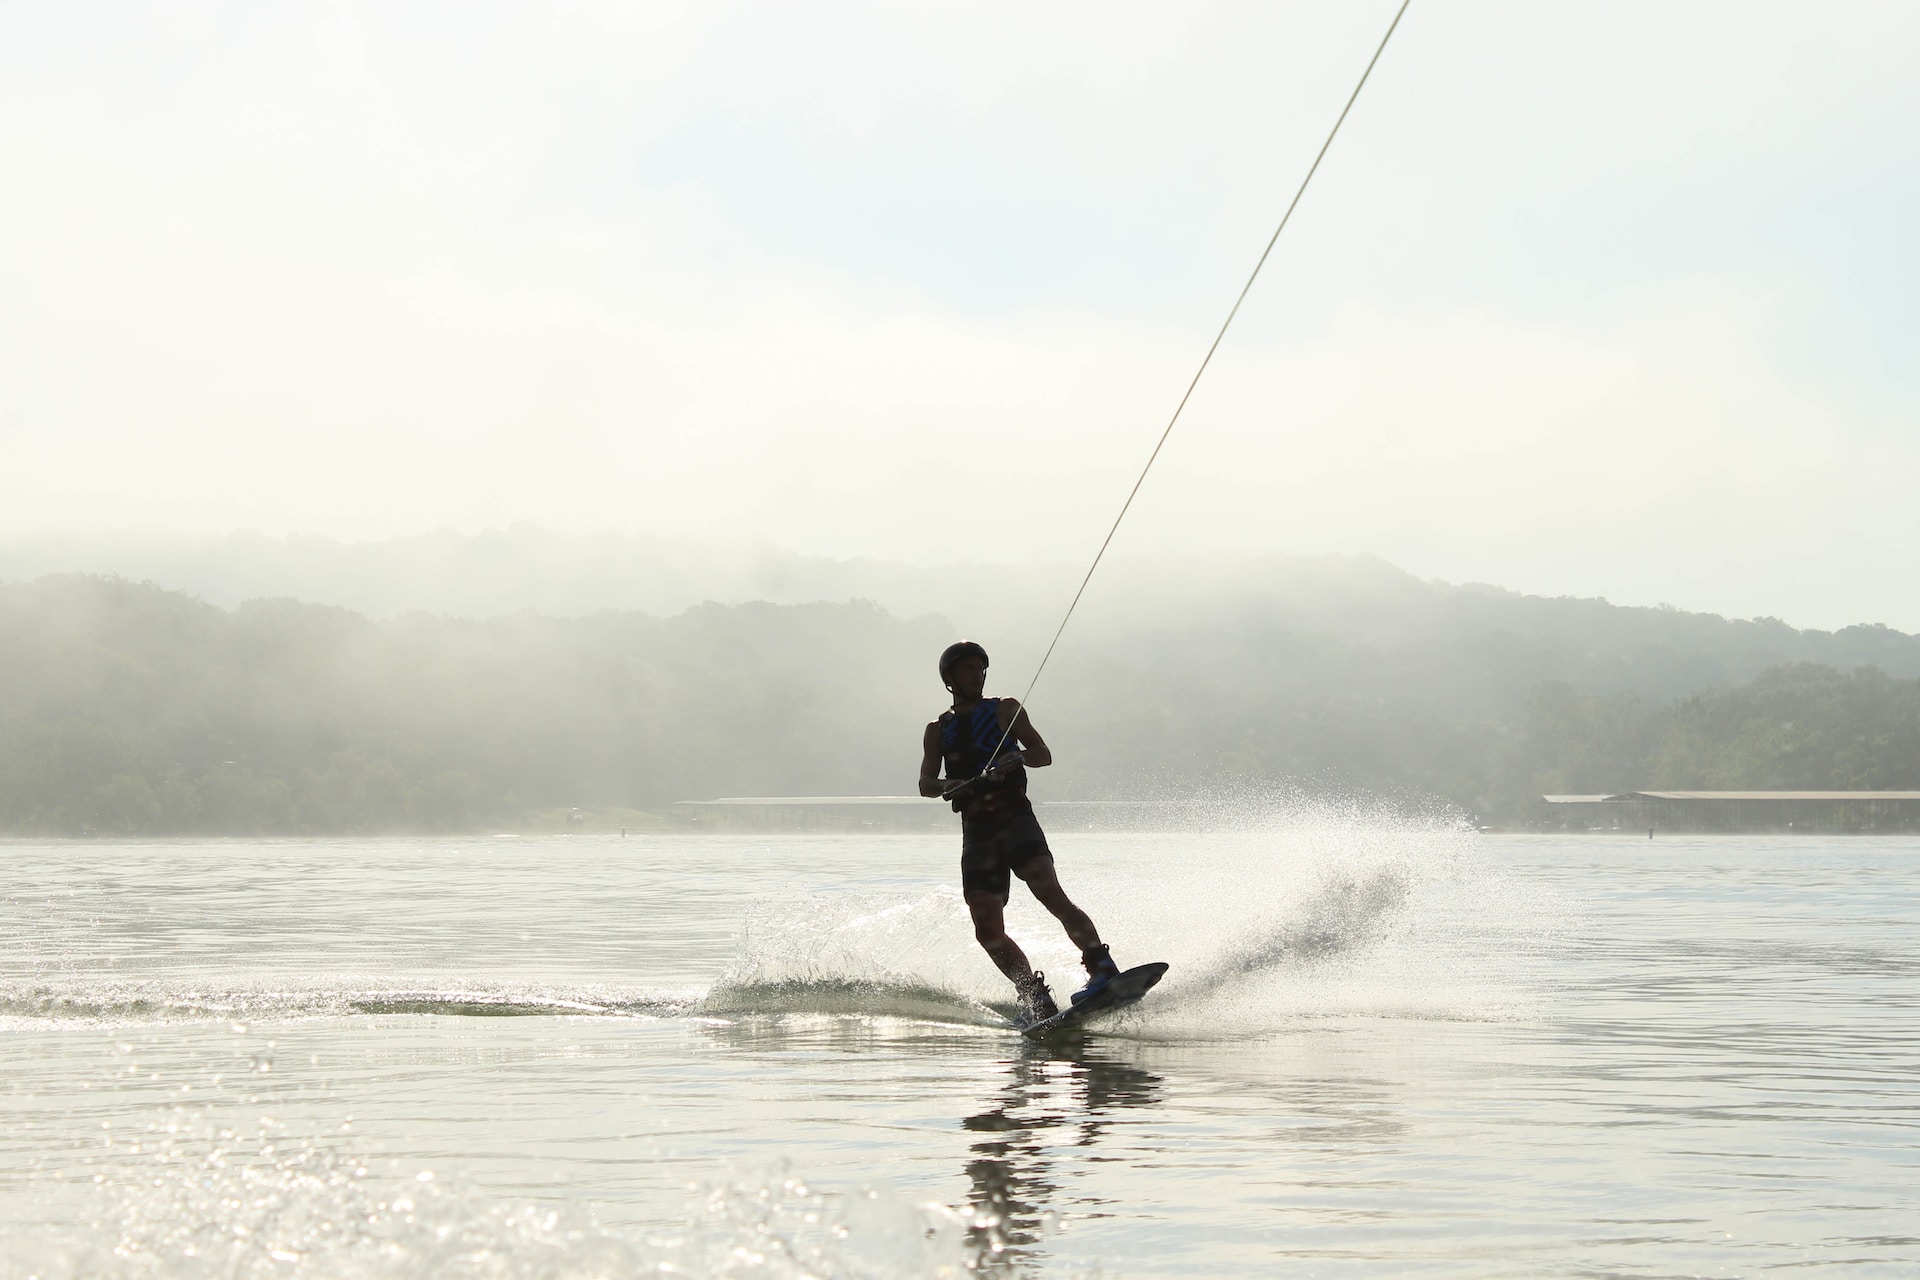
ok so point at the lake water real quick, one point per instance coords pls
(1382, 1050)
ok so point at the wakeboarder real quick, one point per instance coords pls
(986, 745)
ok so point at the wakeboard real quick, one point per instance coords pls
(1125, 989)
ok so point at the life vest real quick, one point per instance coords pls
(968, 743)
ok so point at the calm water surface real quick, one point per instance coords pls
(1381, 1051)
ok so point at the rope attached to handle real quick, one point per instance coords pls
(1204, 362)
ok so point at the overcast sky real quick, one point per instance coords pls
(1602, 298)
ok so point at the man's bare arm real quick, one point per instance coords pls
(1024, 734)
(930, 761)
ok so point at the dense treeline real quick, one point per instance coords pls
(1176, 609)
(125, 708)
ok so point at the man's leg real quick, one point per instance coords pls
(1039, 874)
(1040, 877)
(990, 929)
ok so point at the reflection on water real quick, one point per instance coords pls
(1054, 1096)
(1033, 1154)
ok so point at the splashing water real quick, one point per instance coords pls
(1305, 908)
(861, 953)
(1343, 915)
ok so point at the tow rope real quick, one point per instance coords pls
(1204, 362)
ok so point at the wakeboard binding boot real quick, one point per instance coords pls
(1100, 971)
(1036, 1001)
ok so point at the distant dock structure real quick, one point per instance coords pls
(906, 813)
(1811, 812)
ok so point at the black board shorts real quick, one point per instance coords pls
(993, 850)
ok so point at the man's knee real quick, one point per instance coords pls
(989, 922)
(1048, 893)
(1078, 923)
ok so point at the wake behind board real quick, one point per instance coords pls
(1124, 990)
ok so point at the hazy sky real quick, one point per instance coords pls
(1603, 298)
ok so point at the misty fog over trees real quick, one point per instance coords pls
(132, 708)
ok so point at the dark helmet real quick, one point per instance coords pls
(955, 652)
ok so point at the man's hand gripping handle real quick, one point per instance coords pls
(997, 771)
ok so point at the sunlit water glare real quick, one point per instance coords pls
(1383, 1049)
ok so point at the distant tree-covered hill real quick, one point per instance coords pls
(127, 708)
(130, 708)
(1237, 600)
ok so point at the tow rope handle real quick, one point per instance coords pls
(993, 773)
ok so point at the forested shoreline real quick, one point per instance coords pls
(129, 709)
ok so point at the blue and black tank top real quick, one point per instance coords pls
(968, 742)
